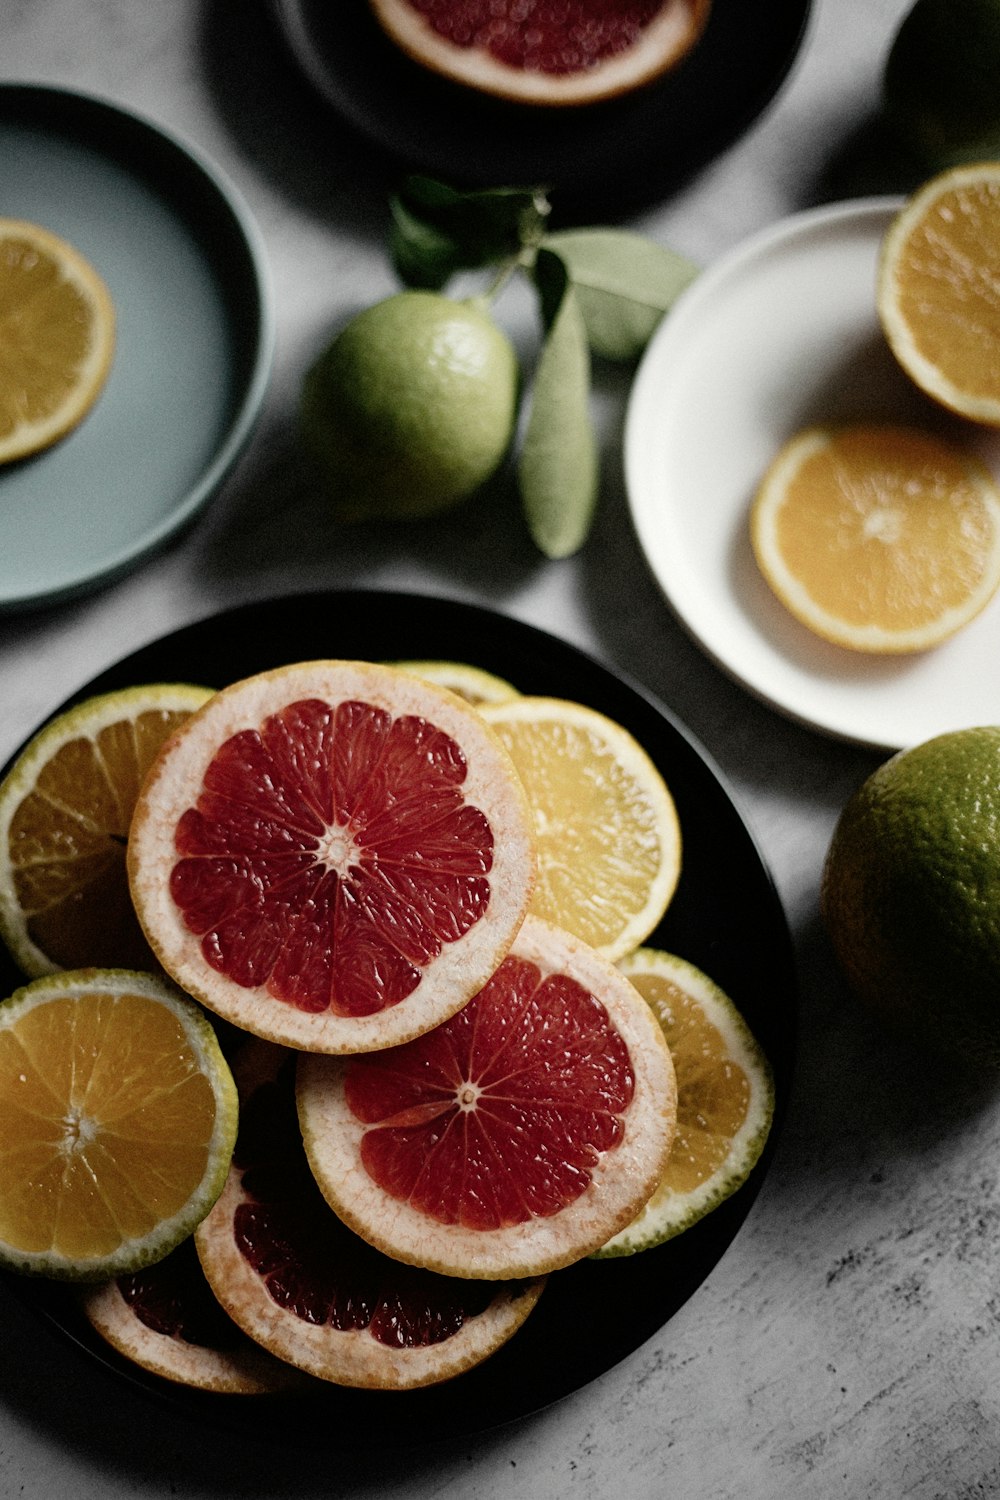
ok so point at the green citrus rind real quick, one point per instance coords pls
(670, 1212)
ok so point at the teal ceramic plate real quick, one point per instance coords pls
(184, 264)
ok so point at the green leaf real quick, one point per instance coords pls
(558, 464)
(624, 284)
(437, 229)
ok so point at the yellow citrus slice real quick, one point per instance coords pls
(878, 538)
(938, 296)
(725, 1098)
(609, 845)
(65, 809)
(57, 337)
(473, 684)
(333, 855)
(117, 1123)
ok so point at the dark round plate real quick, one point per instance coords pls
(725, 917)
(618, 153)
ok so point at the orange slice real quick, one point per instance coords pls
(57, 337)
(333, 855)
(301, 1284)
(513, 1139)
(878, 538)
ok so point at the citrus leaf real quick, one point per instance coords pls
(421, 255)
(558, 468)
(624, 284)
(437, 229)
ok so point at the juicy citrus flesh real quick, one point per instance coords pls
(606, 828)
(65, 809)
(117, 1122)
(878, 538)
(911, 891)
(545, 52)
(412, 406)
(725, 1098)
(474, 684)
(332, 855)
(298, 1281)
(514, 1138)
(938, 296)
(57, 334)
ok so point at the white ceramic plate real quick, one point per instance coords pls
(779, 334)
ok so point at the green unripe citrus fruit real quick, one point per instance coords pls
(911, 892)
(412, 406)
(940, 87)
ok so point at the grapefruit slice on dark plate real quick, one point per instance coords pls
(726, 918)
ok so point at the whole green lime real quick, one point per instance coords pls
(412, 407)
(911, 892)
(940, 86)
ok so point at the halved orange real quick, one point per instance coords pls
(878, 538)
(938, 294)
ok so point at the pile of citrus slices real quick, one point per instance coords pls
(410, 903)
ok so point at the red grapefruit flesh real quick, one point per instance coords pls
(166, 1319)
(546, 52)
(299, 1282)
(518, 1136)
(332, 855)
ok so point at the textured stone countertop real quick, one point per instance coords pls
(848, 1343)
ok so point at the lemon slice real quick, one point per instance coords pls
(607, 834)
(118, 1121)
(65, 809)
(725, 1098)
(57, 337)
(474, 684)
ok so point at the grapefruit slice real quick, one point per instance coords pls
(167, 1320)
(545, 53)
(516, 1137)
(332, 855)
(300, 1283)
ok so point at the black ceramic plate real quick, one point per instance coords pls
(619, 153)
(725, 917)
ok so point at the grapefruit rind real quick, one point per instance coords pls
(668, 1212)
(474, 684)
(450, 978)
(662, 45)
(622, 1179)
(132, 1254)
(83, 720)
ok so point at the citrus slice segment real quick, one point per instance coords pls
(166, 1319)
(725, 1098)
(878, 538)
(473, 684)
(514, 1138)
(539, 53)
(606, 828)
(301, 1284)
(332, 855)
(57, 337)
(117, 1123)
(937, 292)
(65, 809)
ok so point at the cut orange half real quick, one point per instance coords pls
(577, 52)
(57, 337)
(513, 1139)
(938, 296)
(332, 855)
(878, 538)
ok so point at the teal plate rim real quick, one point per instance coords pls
(224, 247)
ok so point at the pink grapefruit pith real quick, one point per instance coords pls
(515, 1138)
(332, 855)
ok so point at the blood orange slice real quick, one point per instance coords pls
(548, 52)
(166, 1319)
(300, 1283)
(332, 855)
(516, 1137)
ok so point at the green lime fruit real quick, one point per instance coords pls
(412, 407)
(910, 892)
(940, 84)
